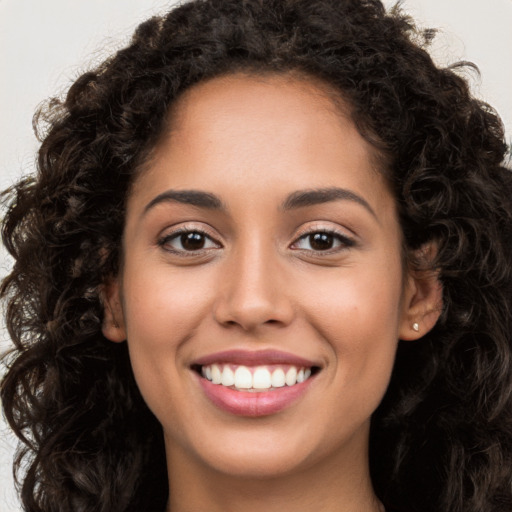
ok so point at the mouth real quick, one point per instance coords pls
(259, 378)
(254, 384)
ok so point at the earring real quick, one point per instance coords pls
(416, 327)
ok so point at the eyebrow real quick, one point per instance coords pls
(191, 197)
(304, 198)
(298, 199)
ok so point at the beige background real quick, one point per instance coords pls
(44, 45)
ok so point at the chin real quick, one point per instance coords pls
(270, 452)
(261, 465)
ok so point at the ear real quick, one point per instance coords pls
(113, 327)
(422, 300)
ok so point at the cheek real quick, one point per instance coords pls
(162, 305)
(360, 305)
(162, 310)
(357, 313)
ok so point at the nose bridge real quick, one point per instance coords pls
(252, 291)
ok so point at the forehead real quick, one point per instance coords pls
(231, 89)
(261, 103)
(276, 130)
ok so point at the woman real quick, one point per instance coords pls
(265, 263)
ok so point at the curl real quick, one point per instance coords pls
(441, 439)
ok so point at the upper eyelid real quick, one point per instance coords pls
(164, 243)
(345, 236)
(186, 227)
(349, 241)
(169, 234)
(320, 227)
(311, 228)
(178, 232)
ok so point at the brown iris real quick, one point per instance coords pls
(321, 241)
(192, 241)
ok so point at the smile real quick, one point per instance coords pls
(258, 378)
(254, 383)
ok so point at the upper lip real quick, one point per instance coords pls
(255, 358)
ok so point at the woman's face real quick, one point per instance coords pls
(262, 250)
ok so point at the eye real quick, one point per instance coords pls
(189, 241)
(323, 241)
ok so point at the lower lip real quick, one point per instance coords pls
(258, 403)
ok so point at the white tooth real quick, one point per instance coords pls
(307, 373)
(228, 377)
(278, 378)
(261, 378)
(208, 372)
(216, 374)
(291, 376)
(300, 375)
(243, 378)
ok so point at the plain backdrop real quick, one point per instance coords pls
(46, 44)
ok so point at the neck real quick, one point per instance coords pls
(330, 485)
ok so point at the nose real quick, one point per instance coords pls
(253, 292)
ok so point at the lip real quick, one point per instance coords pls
(258, 403)
(255, 358)
(253, 404)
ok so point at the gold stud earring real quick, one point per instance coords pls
(416, 327)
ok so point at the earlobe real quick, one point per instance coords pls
(423, 304)
(113, 319)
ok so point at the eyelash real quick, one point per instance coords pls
(175, 235)
(344, 242)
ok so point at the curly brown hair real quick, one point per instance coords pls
(442, 438)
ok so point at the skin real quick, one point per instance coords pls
(258, 283)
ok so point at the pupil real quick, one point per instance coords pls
(321, 241)
(192, 241)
